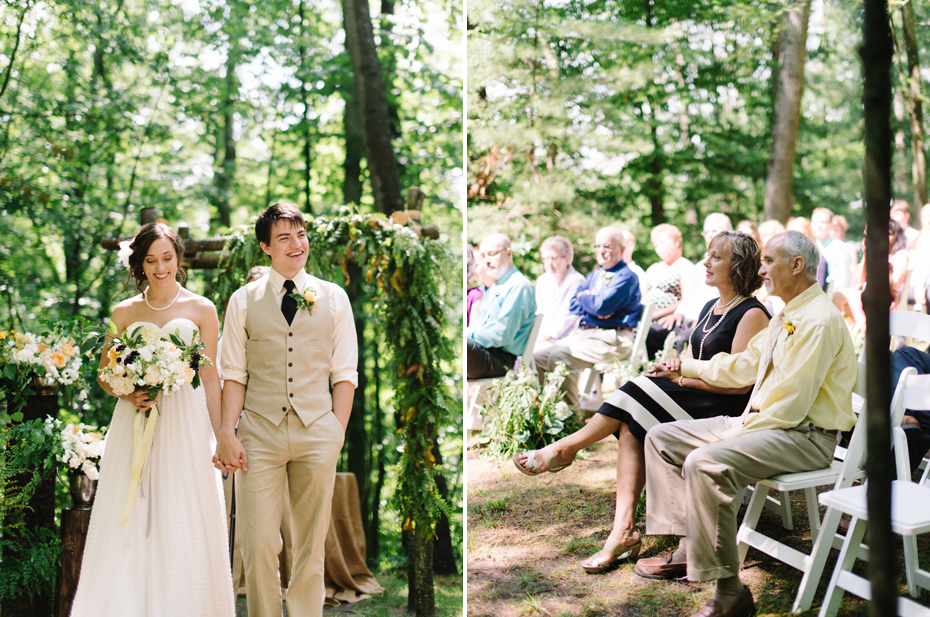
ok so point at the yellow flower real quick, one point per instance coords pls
(42, 347)
(310, 295)
(59, 359)
(3, 335)
(112, 355)
(789, 327)
(68, 349)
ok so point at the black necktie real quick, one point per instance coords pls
(289, 304)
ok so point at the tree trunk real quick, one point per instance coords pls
(305, 98)
(356, 436)
(779, 195)
(9, 67)
(876, 53)
(899, 171)
(355, 151)
(443, 552)
(371, 532)
(376, 126)
(915, 107)
(654, 184)
(421, 600)
(226, 143)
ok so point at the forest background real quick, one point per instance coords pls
(583, 114)
(208, 111)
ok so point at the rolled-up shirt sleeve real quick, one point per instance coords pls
(233, 361)
(345, 343)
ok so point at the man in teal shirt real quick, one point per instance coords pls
(506, 315)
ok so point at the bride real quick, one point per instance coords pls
(170, 556)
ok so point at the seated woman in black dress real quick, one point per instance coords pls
(725, 326)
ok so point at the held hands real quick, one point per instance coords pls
(670, 369)
(230, 455)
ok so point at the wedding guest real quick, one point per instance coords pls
(833, 251)
(555, 290)
(475, 290)
(916, 422)
(750, 229)
(801, 224)
(666, 279)
(838, 232)
(901, 214)
(920, 276)
(608, 305)
(508, 311)
(629, 246)
(849, 301)
(695, 295)
(804, 368)
(726, 326)
(769, 229)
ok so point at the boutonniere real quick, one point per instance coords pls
(789, 327)
(608, 275)
(305, 299)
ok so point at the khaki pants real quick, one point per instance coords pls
(306, 458)
(580, 350)
(695, 482)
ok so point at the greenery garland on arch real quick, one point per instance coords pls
(407, 275)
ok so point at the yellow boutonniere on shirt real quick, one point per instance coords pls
(305, 299)
(789, 327)
(608, 275)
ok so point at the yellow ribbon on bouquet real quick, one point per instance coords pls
(140, 452)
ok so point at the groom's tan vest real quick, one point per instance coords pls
(288, 366)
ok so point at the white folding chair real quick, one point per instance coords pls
(910, 514)
(840, 473)
(478, 388)
(590, 382)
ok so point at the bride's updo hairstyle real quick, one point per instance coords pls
(745, 260)
(140, 248)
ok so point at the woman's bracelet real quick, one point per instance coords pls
(680, 377)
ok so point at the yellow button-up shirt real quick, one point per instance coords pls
(811, 376)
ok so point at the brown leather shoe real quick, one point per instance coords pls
(744, 607)
(661, 568)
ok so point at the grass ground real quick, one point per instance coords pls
(526, 535)
(393, 602)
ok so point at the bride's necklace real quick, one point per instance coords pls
(706, 322)
(145, 297)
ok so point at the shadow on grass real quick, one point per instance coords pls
(527, 535)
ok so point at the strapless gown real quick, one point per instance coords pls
(171, 557)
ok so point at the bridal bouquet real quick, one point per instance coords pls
(143, 360)
(82, 446)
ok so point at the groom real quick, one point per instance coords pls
(280, 355)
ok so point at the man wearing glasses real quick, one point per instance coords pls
(506, 315)
(608, 302)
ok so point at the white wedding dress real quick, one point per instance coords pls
(171, 557)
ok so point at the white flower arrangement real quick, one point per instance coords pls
(82, 446)
(54, 357)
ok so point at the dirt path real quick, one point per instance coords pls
(527, 535)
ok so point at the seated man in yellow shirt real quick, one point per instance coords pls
(804, 368)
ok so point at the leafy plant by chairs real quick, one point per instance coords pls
(523, 416)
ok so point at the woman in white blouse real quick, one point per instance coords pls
(555, 290)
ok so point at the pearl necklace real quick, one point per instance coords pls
(726, 309)
(164, 308)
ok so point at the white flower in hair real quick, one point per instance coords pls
(124, 252)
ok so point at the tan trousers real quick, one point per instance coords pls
(695, 482)
(580, 350)
(306, 458)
